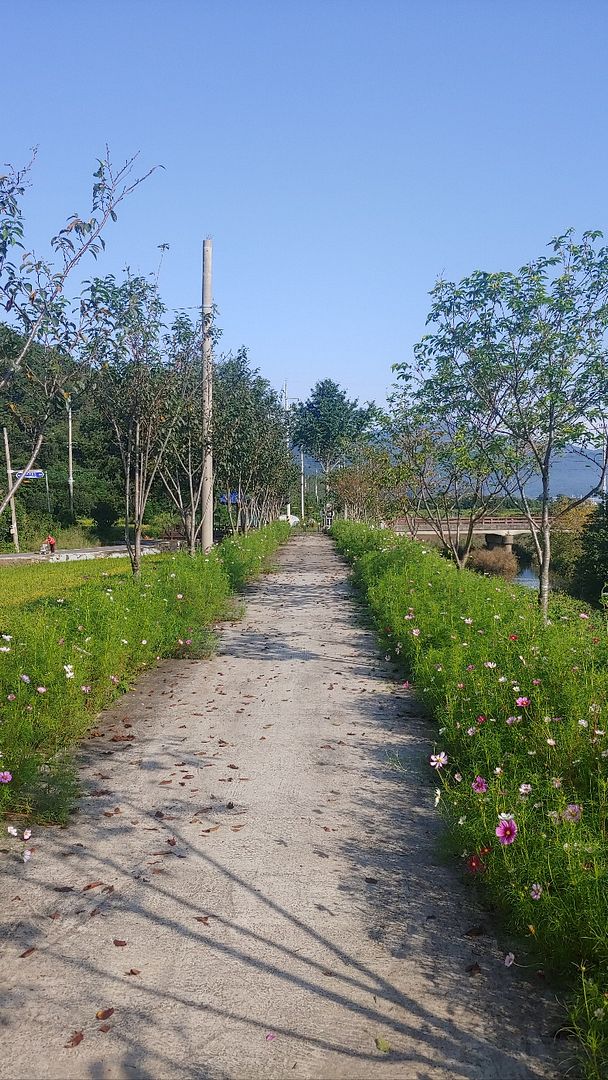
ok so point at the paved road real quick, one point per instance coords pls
(250, 885)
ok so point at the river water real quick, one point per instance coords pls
(528, 577)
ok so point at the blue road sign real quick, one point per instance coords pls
(31, 474)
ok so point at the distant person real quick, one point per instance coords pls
(50, 540)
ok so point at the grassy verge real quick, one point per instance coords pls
(67, 651)
(521, 758)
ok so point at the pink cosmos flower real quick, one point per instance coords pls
(86, 689)
(27, 833)
(5, 777)
(522, 702)
(439, 760)
(535, 682)
(506, 830)
(573, 812)
(509, 959)
(583, 615)
(407, 685)
(114, 679)
(457, 777)
(41, 689)
(416, 632)
(479, 785)
(536, 891)
(470, 667)
(11, 697)
(471, 730)
(25, 678)
(525, 789)
(460, 686)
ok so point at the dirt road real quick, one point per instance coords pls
(250, 885)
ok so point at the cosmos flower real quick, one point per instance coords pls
(479, 785)
(439, 760)
(506, 830)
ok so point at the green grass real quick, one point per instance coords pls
(474, 647)
(75, 634)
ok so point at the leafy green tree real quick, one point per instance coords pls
(33, 294)
(141, 386)
(252, 460)
(328, 425)
(523, 356)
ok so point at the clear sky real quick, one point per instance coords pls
(341, 153)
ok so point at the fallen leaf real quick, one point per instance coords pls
(213, 829)
(108, 888)
(122, 738)
(63, 888)
(383, 1045)
(233, 766)
(119, 943)
(371, 880)
(326, 746)
(237, 828)
(55, 915)
(202, 918)
(473, 969)
(76, 1038)
(92, 885)
(330, 974)
(104, 1014)
(133, 971)
(475, 931)
(172, 841)
(105, 1027)
(28, 952)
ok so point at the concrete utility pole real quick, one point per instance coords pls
(302, 486)
(70, 461)
(207, 486)
(285, 406)
(14, 530)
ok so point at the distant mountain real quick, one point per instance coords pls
(571, 475)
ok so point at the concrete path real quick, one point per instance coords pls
(251, 887)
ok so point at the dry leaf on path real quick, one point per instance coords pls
(28, 952)
(119, 943)
(76, 1038)
(104, 1014)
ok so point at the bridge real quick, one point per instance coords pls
(498, 531)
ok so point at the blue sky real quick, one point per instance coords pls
(341, 153)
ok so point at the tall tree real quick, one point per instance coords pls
(141, 386)
(33, 294)
(524, 355)
(328, 425)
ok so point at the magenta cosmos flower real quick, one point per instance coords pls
(5, 777)
(479, 785)
(536, 891)
(522, 702)
(506, 830)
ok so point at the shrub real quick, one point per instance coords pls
(496, 560)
